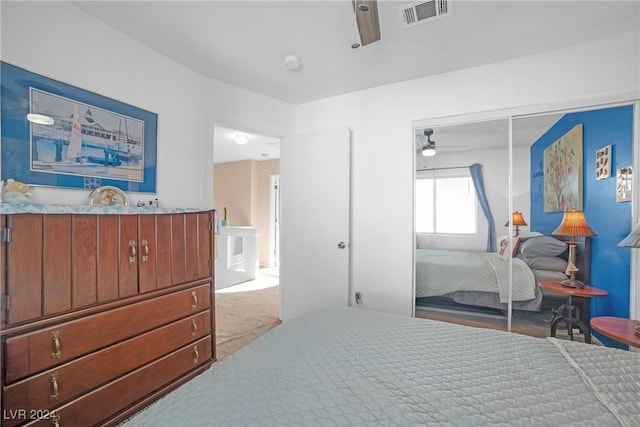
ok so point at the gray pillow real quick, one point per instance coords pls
(542, 246)
(552, 263)
(529, 235)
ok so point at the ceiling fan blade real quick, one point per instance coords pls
(367, 20)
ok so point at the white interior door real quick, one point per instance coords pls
(315, 221)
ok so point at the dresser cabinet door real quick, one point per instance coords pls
(108, 246)
(163, 251)
(205, 244)
(56, 264)
(129, 247)
(84, 270)
(147, 249)
(24, 267)
(178, 253)
(191, 246)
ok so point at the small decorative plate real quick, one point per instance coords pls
(108, 196)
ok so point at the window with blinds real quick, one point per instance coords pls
(446, 205)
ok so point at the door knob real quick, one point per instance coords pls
(342, 245)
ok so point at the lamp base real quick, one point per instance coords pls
(572, 283)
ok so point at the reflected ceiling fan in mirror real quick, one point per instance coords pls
(427, 147)
(367, 21)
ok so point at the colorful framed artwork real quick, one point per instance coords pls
(56, 134)
(603, 163)
(563, 172)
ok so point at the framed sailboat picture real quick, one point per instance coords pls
(56, 134)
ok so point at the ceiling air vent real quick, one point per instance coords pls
(420, 12)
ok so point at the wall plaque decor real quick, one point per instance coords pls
(624, 179)
(603, 162)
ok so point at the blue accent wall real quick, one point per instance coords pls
(611, 221)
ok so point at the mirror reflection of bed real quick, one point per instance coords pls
(460, 276)
(443, 277)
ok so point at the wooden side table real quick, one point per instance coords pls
(568, 312)
(617, 328)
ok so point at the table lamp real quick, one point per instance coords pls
(517, 219)
(573, 224)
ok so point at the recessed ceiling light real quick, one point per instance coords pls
(241, 139)
(40, 119)
(355, 45)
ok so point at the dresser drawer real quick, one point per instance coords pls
(65, 382)
(33, 352)
(104, 402)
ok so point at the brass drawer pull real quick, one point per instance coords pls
(194, 300)
(196, 355)
(132, 253)
(194, 327)
(145, 253)
(55, 420)
(53, 379)
(55, 338)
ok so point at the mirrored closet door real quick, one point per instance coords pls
(462, 205)
(580, 159)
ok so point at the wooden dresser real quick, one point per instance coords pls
(102, 313)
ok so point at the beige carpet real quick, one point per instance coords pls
(246, 311)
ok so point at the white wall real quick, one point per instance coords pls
(383, 151)
(61, 42)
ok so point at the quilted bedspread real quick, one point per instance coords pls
(439, 272)
(349, 366)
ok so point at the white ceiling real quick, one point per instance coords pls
(244, 42)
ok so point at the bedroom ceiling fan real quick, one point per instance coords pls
(427, 147)
(367, 21)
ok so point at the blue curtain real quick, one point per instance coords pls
(478, 183)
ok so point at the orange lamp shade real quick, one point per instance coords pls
(574, 224)
(517, 219)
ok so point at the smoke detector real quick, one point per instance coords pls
(291, 62)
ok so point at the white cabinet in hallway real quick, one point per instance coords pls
(238, 255)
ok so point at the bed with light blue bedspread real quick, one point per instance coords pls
(349, 366)
(475, 278)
